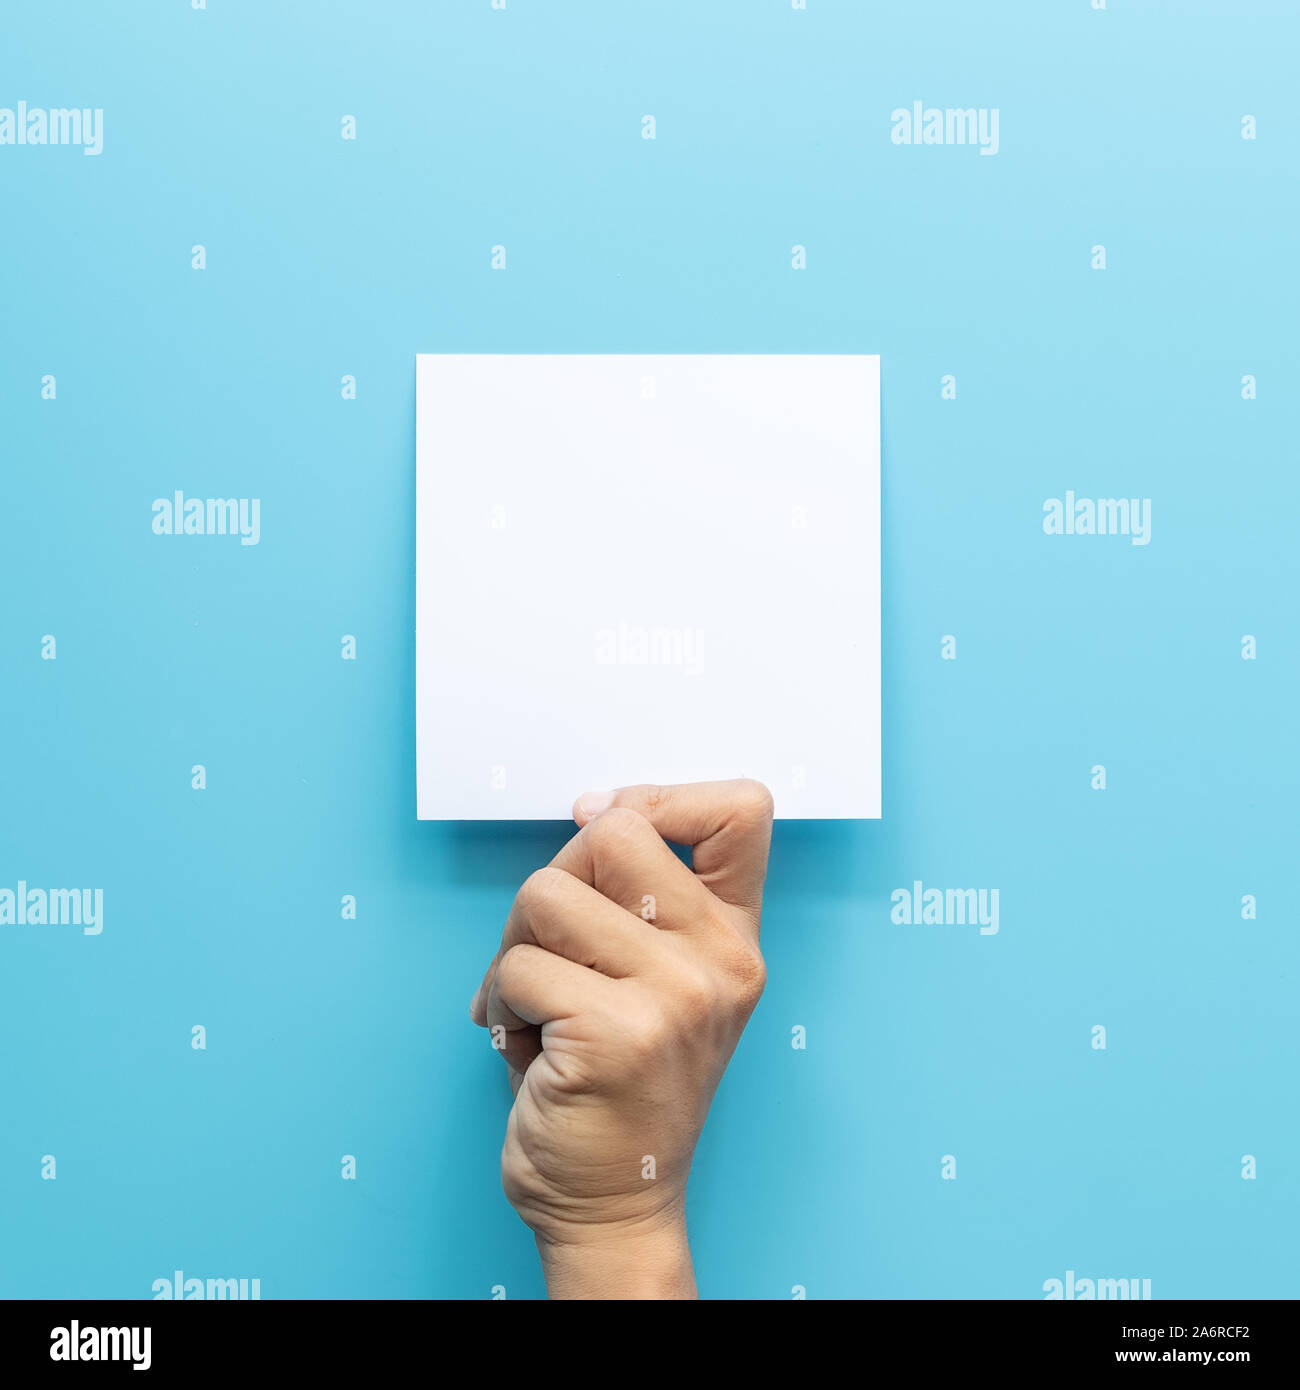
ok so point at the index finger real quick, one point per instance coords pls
(727, 824)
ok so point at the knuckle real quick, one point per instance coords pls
(542, 888)
(645, 1035)
(698, 996)
(512, 965)
(615, 829)
(752, 799)
(755, 978)
(568, 1073)
(747, 973)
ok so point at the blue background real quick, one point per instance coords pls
(328, 1037)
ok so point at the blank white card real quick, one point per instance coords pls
(646, 569)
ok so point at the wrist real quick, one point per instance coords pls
(620, 1261)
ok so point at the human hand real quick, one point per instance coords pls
(621, 987)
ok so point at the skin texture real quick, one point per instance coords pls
(623, 982)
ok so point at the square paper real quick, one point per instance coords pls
(646, 569)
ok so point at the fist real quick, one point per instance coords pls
(621, 987)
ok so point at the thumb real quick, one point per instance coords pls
(727, 824)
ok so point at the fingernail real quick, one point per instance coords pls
(592, 804)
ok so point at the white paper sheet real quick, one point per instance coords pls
(646, 569)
